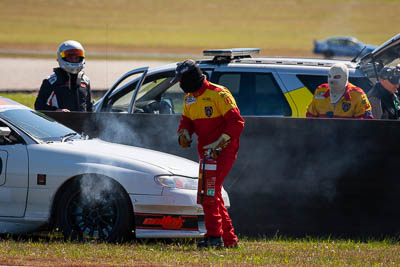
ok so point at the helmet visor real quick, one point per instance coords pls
(72, 52)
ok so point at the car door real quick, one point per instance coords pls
(13, 175)
(385, 54)
(256, 90)
(158, 95)
(150, 92)
(121, 96)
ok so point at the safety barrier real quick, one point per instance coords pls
(293, 176)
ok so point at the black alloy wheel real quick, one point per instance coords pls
(108, 217)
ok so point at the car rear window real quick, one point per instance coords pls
(313, 81)
(255, 93)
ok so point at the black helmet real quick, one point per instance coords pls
(392, 74)
(189, 75)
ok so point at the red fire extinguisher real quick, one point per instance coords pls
(207, 178)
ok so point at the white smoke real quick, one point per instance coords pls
(95, 189)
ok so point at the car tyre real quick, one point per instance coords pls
(105, 215)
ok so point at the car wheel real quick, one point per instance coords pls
(95, 209)
(328, 54)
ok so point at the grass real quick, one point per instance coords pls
(27, 99)
(285, 27)
(260, 252)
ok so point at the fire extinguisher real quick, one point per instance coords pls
(207, 178)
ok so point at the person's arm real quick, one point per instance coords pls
(89, 103)
(363, 108)
(376, 105)
(185, 124)
(234, 122)
(311, 110)
(43, 97)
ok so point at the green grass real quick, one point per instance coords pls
(268, 252)
(27, 99)
(285, 27)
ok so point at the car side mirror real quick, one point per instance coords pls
(5, 131)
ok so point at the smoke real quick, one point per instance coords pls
(156, 132)
(96, 190)
(297, 159)
(141, 130)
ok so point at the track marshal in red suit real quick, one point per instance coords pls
(210, 112)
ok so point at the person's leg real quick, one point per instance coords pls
(212, 218)
(213, 223)
(224, 164)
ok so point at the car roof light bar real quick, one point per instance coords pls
(224, 56)
(232, 53)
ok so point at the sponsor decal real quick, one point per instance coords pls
(228, 101)
(166, 222)
(68, 83)
(190, 100)
(346, 106)
(207, 99)
(52, 79)
(209, 111)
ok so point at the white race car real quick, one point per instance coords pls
(50, 176)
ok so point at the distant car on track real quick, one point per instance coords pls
(342, 47)
(89, 188)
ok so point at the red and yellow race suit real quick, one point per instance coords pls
(209, 112)
(353, 104)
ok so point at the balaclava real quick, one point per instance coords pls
(190, 76)
(337, 79)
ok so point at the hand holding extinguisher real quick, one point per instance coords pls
(207, 178)
(218, 145)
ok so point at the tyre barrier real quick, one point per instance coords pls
(293, 176)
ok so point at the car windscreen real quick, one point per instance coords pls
(36, 124)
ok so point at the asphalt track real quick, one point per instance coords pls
(26, 74)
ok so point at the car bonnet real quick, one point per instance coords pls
(171, 164)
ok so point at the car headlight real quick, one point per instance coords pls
(175, 181)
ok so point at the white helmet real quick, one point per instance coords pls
(71, 48)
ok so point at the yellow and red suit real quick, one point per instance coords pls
(209, 112)
(353, 104)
